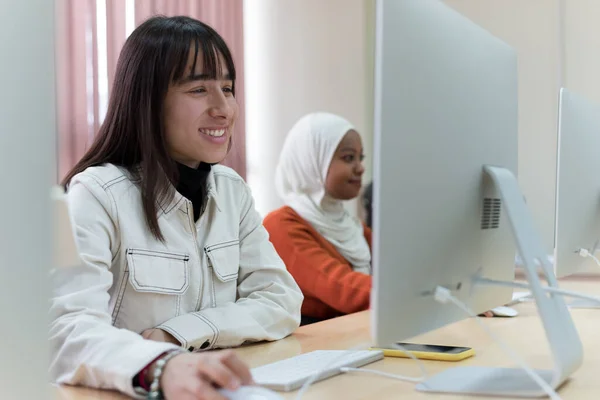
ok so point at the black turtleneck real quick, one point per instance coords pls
(193, 186)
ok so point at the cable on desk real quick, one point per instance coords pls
(316, 375)
(444, 295)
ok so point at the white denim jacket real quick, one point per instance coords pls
(214, 283)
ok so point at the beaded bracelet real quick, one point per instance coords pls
(155, 392)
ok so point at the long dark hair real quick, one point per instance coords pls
(132, 136)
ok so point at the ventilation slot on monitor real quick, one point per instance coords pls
(490, 218)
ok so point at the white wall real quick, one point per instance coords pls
(301, 57)
(27, 148)
(582, 47)
(532, 27)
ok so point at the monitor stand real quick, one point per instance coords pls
(581, 303)
(565, 345)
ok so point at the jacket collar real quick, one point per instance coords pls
(178, 200)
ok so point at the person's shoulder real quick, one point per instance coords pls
(229, 187)
(228, 183)
(223, 173)
(106, 176)
(284, 215)
(106, 184)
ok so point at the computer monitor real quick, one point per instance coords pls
(27, 170)
(578, 184)
(447, 207)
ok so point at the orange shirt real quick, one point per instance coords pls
(331, 288)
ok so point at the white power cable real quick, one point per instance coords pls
(384, 374)
(585, 254)
(420, 363)
(333, 361)
(553, 290)
(397, 346)
(444, 295)
(324, 368)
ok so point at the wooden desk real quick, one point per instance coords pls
(524, 333)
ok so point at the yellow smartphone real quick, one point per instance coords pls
(429, 352)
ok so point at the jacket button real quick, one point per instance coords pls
(205, 345)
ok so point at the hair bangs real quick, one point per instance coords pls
(200, 42)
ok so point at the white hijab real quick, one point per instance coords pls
(300, 181)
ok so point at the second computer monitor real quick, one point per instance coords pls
(446, 106)
(578, 184)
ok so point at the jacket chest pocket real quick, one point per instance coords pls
(158, 272)
(224, 263)
(158, 280)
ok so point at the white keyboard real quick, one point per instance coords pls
(290, 374)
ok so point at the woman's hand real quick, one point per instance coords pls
(158, 335)
(197, 376)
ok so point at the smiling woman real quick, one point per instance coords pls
(155, 113)
(90, 36)
(173, 250)
(200, 107)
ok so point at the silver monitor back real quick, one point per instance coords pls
(445, 106)
(578, 184)
(27, 170)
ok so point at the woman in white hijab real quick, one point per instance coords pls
(325, 248)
